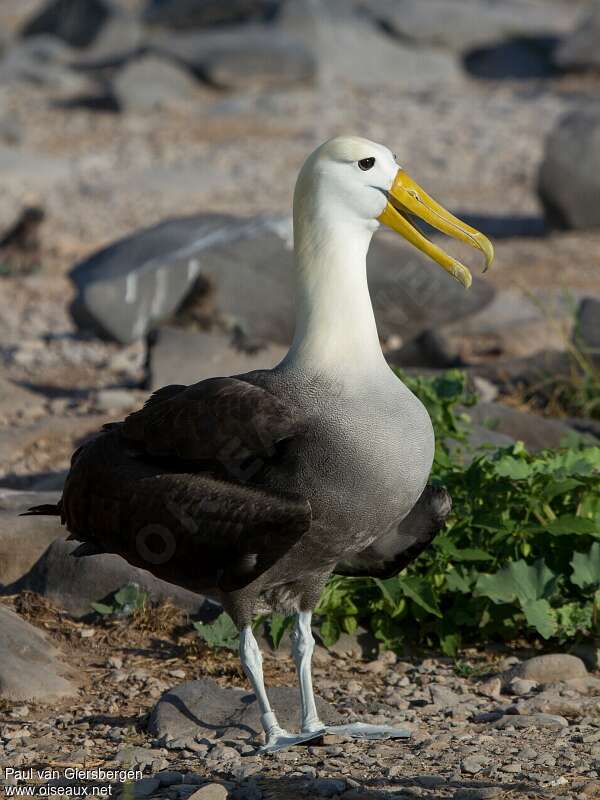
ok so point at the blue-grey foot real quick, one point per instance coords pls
(278, 739)
(362, 730)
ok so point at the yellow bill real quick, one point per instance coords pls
(407, 196)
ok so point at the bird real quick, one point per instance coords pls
(255, 488)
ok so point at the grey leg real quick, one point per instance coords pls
(276, 737)
(303, 645)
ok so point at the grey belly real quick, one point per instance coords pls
(363, 462)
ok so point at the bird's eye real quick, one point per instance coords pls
(366, 163)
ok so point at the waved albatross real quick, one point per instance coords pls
(255, 488)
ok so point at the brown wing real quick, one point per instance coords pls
(389, 554)
(220, 419)
(151, 488)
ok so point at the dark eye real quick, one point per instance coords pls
(366, 163)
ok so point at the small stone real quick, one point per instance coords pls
(521, 721)
(478, 793)
(513, 767)
(430, 781)
(471, 765)
(442, 696)
(177, 673)
(491, 688)
(521, 686)
(211, 791)
(328, 787)
(145, 787)
(169, 777)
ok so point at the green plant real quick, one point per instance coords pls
(126, 601)
(221, 633)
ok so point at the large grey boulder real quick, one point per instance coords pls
(202, 708)
(186, 14)
(150, 83)
(351, 48)
(30, 666)
(186, 357)
(74, 583)
(580, 50)
(461, 25)
(569, 178)
(536, 432)
(23, 540)
(230, 265)
(241, 57)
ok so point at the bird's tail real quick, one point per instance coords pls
(46, 510)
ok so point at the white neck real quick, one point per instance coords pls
(335, 326)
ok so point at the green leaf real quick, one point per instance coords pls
(420, 592)
(102, 608)
(277, 627)
(330, 632)
(515, 469)
(539, 615)
(456, 582)
(586, 567)
(220, 633)
(570, 524)
(518, 580)
(131, 597)
(450, 644)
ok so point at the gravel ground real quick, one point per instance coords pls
(461, 744)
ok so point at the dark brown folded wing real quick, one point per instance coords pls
(151, 488)
(216, 419)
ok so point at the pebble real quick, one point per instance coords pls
(471, 765)
(328, 787)
(145, 787)
(211, 791)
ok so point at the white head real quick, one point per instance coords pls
(346, 178)
(353, 183)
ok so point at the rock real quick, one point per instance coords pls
(145, 787)
(569, 177)
(471, 765)
(587, 327)
(579, 50)
(535, 431)
(334, 38)
(74, 583)
(241, 58)
(519, 58)
(461, 26)
(23, 540)
(211, 791)
(184, 357)
(76, 22)
(42, 61)
(188, 14)
(522, 721)
(202, 708)
(328, 787)
(550, 668)
(223, 267)
(520, 686)
(150, 83)
(491, 688)
(478, 793)
(30, 666)
(443, 696)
